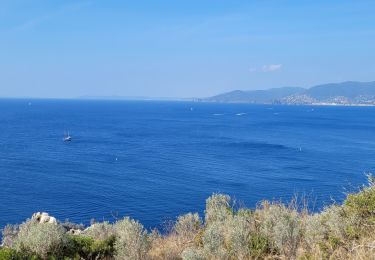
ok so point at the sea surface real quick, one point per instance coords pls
(156, 160)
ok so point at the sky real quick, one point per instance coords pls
(184, 48)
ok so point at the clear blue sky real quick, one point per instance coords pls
(181, 48)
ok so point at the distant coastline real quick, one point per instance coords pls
(348, 93)
(282, 104)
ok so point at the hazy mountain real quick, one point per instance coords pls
(256, 96)
(349, 89)
(346, 93)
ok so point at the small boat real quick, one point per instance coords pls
(67, 137)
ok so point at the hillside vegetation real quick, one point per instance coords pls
(345, 93)
(272, 231)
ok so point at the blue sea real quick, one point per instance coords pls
(156, 160)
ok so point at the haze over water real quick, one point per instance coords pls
(156, 160)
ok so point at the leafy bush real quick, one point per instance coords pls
(41, 239)
(335, 220)
(132, 241)
(218, 208)
(259, 246)
(360, 209)
(282, 226)
(6, 253)
(214, 240)
(11, 254)
(238, 235)
(88, 248)
(315, 230)
(100, 231)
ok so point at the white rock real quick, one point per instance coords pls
(52, 220)
(44, 218)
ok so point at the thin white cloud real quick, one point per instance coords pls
(266, 68)
(271, 67)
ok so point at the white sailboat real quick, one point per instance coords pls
(67, 137)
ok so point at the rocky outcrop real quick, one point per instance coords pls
(43, 217)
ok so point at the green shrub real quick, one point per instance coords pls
(238, 235)
(287, 233)
(80, 246)
(6, 253)
(259, 246)
(88, 248)
(214, 241)
(360, 210)
(100, 231)
(11, 254)
(362, 204)
(315, 231)
(243, 239)
(218, 208)
(132, 241)
(334, 219)
(282, 225)
(43, 240)
(326, 230)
